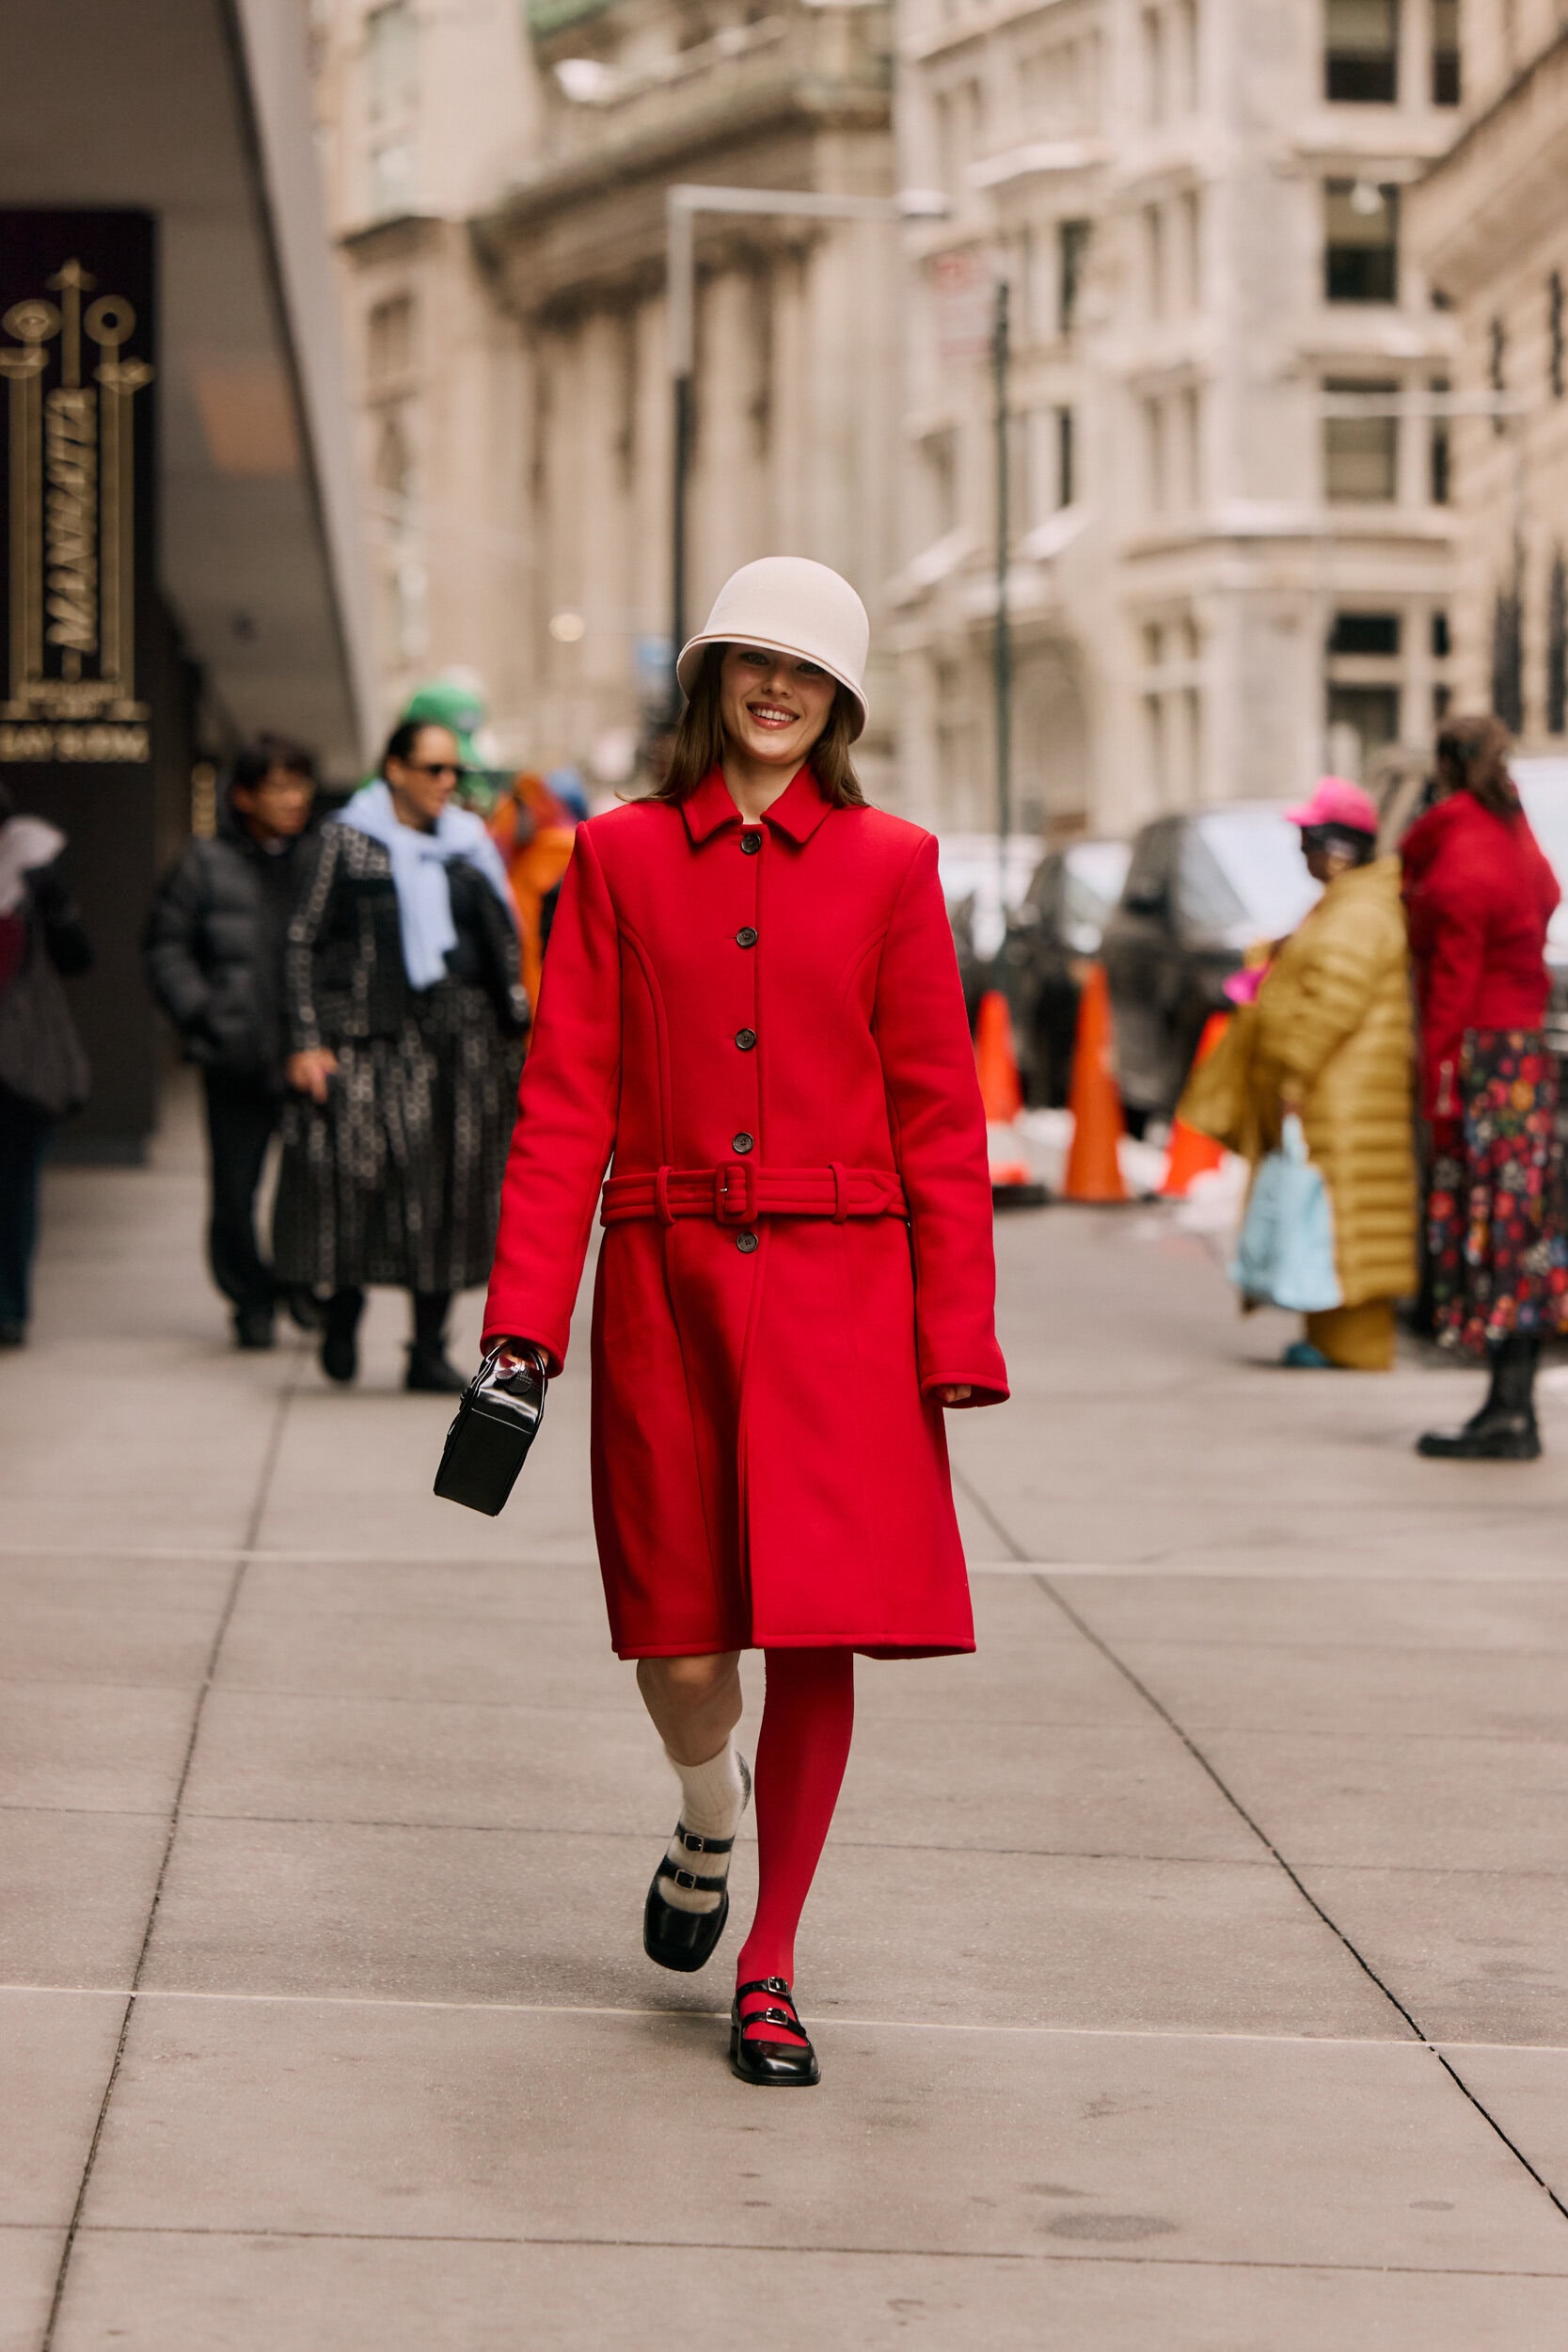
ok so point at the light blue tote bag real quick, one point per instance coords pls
(1285, 1254)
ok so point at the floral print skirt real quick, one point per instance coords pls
(1498, 1232)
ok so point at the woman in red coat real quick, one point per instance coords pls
(1478, 895)
(752, 1014)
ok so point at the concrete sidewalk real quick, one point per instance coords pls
(1188, 1967)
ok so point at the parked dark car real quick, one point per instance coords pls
(1052, 939)
(1201, 889)
(980, 898)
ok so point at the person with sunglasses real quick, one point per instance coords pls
(405, 1019)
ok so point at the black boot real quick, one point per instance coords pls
(340, 1348)
(428, 1368)
(1505, 1429)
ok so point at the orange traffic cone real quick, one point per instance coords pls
(1013, 1182)
(1093, 1166)
(1191, 1153)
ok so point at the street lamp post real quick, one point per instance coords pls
(684, 200)
(1003, 660)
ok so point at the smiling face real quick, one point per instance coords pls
(773, 707)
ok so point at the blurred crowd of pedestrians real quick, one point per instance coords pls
(358, 989)
(1403, 1022)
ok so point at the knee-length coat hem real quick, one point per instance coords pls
(766, 1450)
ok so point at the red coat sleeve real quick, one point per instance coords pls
(939, 1131)
(1455, 923)
(567, 1115)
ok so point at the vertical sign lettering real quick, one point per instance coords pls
(75, 339)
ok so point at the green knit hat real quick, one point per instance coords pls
(458, 708)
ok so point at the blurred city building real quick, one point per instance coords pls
(425, 114)
(1491, 227)
(499, 183)
(1231, 543)
(182, 561)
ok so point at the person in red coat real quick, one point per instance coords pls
(1479, 895)
(752, 1014)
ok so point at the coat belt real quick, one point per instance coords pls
(737, 1192)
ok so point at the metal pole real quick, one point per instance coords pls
(1003, 651)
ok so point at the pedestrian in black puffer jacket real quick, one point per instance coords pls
(214, 948)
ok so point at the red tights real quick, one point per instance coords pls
(804, 1745)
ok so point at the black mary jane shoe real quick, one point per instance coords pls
(687, 1939)
(781, 2065)
(678, 1939)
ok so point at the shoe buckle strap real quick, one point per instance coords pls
(690, 1880)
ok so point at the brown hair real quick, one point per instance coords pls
(699, 744)
(1472, 756)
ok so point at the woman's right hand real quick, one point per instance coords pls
(521, 1355)
(308, 1072)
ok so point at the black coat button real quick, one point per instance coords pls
(749, 844)
(742, 1143)
(745, 1242)
(745, 937)
(745, 1038)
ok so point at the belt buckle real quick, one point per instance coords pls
(735, 1192)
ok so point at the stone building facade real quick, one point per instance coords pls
(498, 177)
(422, 114)
(1230, 541)
(1490, 225)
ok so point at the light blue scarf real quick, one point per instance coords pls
(418, 874)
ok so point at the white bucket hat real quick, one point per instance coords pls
(787, 604)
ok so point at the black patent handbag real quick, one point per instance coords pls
(488, 1441)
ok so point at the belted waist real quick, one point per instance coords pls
(737, 1192)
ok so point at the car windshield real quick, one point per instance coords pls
(1267, 888)
(970, 866)
(1543, 788)
(1094, 872)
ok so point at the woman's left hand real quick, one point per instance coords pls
(956, 1396)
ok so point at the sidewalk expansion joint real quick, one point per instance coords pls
(263, 1483)
(1158, 1708)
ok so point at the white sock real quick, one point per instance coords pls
(713, 1798)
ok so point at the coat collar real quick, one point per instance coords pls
(797, 812)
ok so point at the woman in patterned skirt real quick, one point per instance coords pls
(1479, 895)
(405, 1019)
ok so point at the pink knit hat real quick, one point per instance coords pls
(1337, 801)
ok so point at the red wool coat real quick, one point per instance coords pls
(1478, 894)
(765, 1032)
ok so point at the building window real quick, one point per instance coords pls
(1154, 259)
(1066, 467)
(1154, 455)
(1507, 657)
(1442, 637)
(1554, 333)
(1439, 445)
(1159, 756)
(1445, 52)
(1190, 219)
(1497, 372)
(1365, 632)
(1557, 646)
(1156, 95)
(1360, 450)
(1361, 52)
(390, 341)
(1072, 253)
(391, 87)
(1361, 720)
(1190, 410)
(1361, 225)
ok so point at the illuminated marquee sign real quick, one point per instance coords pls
(75, 339)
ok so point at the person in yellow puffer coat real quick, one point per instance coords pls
(1334, 1042)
